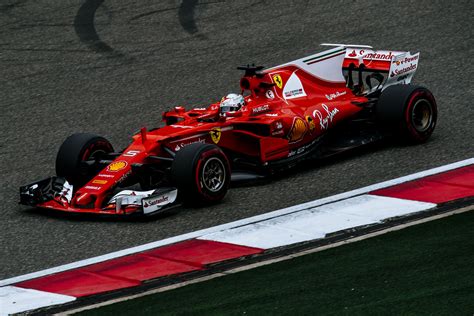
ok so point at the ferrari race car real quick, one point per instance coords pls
(309, 108)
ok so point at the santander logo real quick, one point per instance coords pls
(370, 54)
(159, 200)
(353, 54)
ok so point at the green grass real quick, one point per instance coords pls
(422, 270)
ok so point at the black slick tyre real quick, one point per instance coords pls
(408, 111)
(76, 149)
(201, 172)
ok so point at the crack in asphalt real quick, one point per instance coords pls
(142, 15)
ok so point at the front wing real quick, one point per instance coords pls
(57, 194)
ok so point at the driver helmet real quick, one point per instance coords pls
(232, 102)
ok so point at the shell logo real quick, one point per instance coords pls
(117, 166)
(298, 130)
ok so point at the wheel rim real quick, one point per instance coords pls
(96, 153)
(422, 115)
(213, 174)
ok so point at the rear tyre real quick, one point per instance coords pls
(76, 149)
(201, 172)
(408, 111)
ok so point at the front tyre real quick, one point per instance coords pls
(409, 111)
(201, 172)
(76, 149)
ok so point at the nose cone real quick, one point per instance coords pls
(84, 199)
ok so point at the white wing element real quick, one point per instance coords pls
(293, 88)
(129, 197)
(326, 65)
(402, 69)
(346, 45)
(150, 200)
(403, 65)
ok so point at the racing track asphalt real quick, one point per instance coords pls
(110, 67)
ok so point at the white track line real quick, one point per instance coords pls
(318, 222)
(16, 300)
(241, 222)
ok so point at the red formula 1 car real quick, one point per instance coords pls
(313, 107)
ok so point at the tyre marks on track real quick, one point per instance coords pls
(186, 11)
(186, 17)
(7, 6)
(85, 28)
(86, 31)
(186, 14)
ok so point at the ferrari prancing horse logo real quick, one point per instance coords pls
(215, 134)
(278, 81)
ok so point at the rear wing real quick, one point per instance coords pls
(367, 70)
(357, 67)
